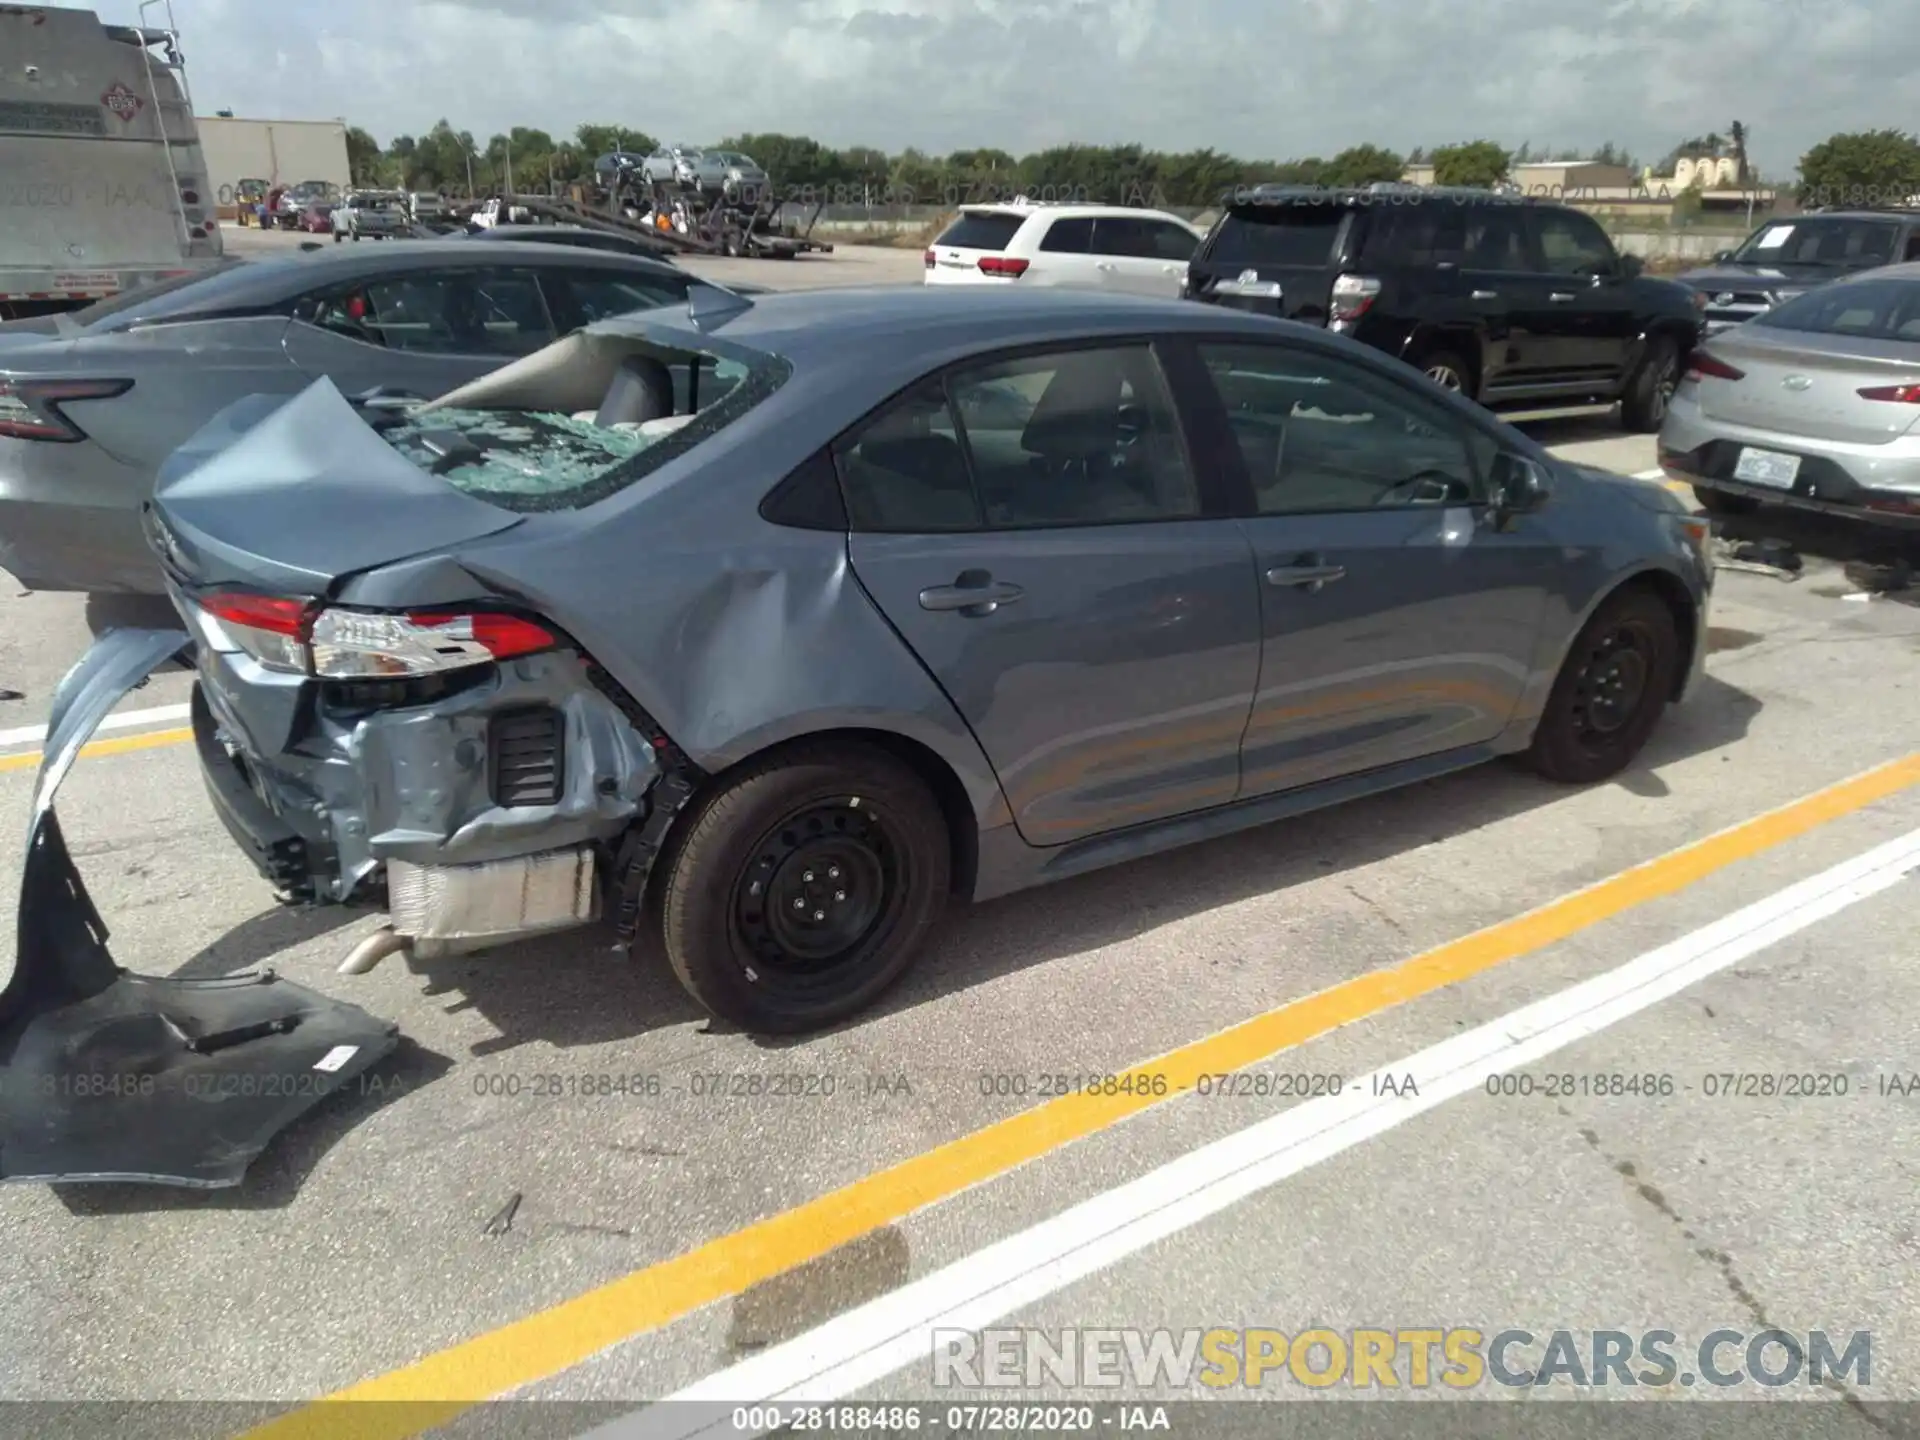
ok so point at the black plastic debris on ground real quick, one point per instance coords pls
(106, 1075)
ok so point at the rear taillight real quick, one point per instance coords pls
(270, 628)
(1702, 365)
(1003, 265)
(928, 258)
(1353, 296)
(297, 636)
(1898, 394)
(30, 409)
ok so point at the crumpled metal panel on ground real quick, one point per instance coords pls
(106, 1075)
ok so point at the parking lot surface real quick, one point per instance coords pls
(564, 1146)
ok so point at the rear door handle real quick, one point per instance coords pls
(1486, 294)
(1561, 295)
(1102, 265)
(1309, 574)
(973, 593)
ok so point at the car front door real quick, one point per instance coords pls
(420, 332)
(1589, 309)
(1036, 530)
(1398, 614)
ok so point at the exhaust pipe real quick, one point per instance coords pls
(372, 950)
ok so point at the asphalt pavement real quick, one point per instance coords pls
(567, 1187)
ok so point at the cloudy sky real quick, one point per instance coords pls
(1267, 78)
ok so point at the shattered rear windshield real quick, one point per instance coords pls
(527, 460)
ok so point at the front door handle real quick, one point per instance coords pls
(1486, 294)
(1307, 573)
(973, 593)
(1102, 265)
(1561, 295)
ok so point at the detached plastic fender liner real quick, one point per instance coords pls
(110, 1076)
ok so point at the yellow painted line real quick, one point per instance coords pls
(119, 745)
(433, 1390)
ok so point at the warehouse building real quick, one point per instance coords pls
(280, 152)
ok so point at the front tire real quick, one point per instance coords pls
(1611, 691)
(802, 889)
(1644, 402)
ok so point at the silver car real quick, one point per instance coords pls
(92, 403)
(1814, 404)
(729, 172)
(672, 165)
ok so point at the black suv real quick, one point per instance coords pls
(1792, 255)
(1505, 299)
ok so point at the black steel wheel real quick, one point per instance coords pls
(1611, 690)
(802, 888)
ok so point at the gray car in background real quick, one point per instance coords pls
(776, 624)
(1814, 404)
(92, 403)
(729, 172)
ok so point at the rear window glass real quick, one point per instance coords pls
(1871, 309)
(982, 232)
(1280, 234)
(528, 461)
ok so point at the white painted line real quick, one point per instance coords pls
(1650, 475)
(867, 1344)
(124, 720)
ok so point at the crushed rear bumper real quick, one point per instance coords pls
(106, 1075)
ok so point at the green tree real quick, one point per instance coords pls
(1473, 162)
(363, 156)
(1363, 165)
(598, 140)
(796, 163)
(1868, 167)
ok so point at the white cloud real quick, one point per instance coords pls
(1258, 78)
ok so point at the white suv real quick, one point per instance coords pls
(1096, 247)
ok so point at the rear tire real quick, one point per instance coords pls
(1719, 502)
(1448, 371)
(1611, 691)
(802, 889)
(1649, 391)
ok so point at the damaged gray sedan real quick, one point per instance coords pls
(774, 624)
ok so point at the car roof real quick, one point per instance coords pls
(1030, 208)
(886, 325)
(268, 279)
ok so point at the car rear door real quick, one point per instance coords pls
(1036, 530)
(421, 331)
(1397, 622)
(1133, 255)
(1507, 294)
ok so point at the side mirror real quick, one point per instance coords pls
(1721, 257)
(1632, 266)
(1521, 485)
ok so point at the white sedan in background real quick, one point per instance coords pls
(1089, 247)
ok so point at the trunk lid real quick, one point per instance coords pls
(975, 233)
(1802, 383)
(1296, 246)
(290, 497)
